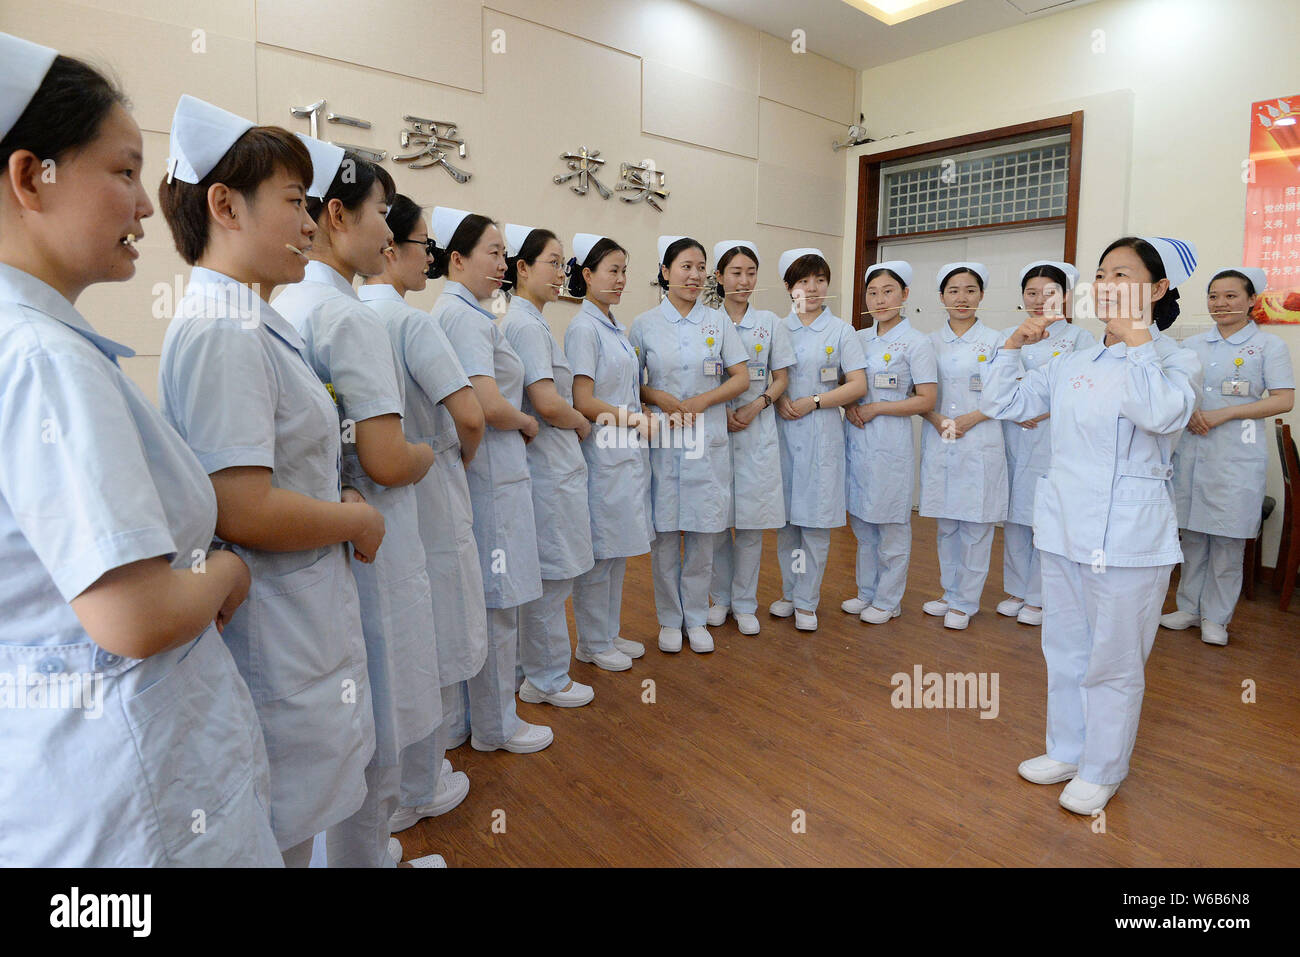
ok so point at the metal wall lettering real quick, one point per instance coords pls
(312, 114)
(584, 165)
(432, 139)
(644, 181)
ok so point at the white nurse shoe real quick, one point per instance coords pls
(633, 649)
(1010, 607)
(1084, 797)
(575, 697)
(718, 615)
(1212, 633)
(1178, 620)
(853, 606)
(429, 860)
(527, 739)
(781, 608)
(701, 640)
(612, 660)
(956, 620)
(1030, 616)
(938, 608)
(1045, 770)
(453, 786)
(805, 620)
(878, 616)
(748, 624)
(670, 640)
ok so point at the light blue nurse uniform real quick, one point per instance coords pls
(880, 462)
(618, 474)
(1105, 523)
(1219, 478)
(500, 491)
(812, 453)
(758, 498)
(107, 761)
(964, 480)
(1029, 452)
(234, 382)
(431, 372)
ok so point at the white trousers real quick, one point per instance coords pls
(422, 761)
(735, 569)
(544, 649)
(1022, 572)
(682, 580)
(598, 603)
(1098, 629)
(1210, 582)
(884, 551)
(491, 692)
(964, 549)
(802, 554)
(362, 839)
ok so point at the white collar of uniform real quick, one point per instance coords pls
(794, 323)
(1119, 348)
(204, 281)
(1237, 338)
(1055, 326)
(451, 288)
(904, 325)
(695, 316)
(373, 292)
(949, 335)
(591, 309)
(318, 271)
(26, 290)
(747, 321)
(527, 308)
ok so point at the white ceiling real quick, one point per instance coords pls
(845, 34)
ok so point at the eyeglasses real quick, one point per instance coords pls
(428, 244)
(556, 264)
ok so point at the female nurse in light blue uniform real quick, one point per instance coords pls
(272, 450)
(535, 276)
(129, 738)
(441, 412)
(470, 252)
(345, 343)
(605, 390)
(683, 348)
(1220, 468)
(963, 458)
(758, 500)
(826, 350)
(880, 455)
(1104, 517)
(1044, 288)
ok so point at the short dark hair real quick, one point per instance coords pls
(463, 241)
(403, 217)
(253, 159)
(1233, 274)
(809, 264)
(732, 253)
(534, 243)
(955, 272)
(1165, 309)
(353, 181)
(675, 249)
(1053, 273)
(66, 112)
(604, 246)
(888, 272)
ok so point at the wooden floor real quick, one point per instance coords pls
(737, 743)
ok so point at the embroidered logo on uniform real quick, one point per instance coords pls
(1082, 381)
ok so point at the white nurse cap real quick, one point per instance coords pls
(790, 255)
(1178, 256)
(727, 245)
(665, 242)
(1071, 274)
(978, 269)
(326, 158)
(445, 221)
(201, 135)
(25, 66)
(515, 236)
(1258, 278)
(902, 269)
(583, 243)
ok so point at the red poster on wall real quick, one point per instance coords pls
(1273, 206)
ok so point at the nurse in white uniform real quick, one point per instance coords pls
(1045, 287)
(272, 449)
(828, 372)
(757, 496)
(963, 457)
(124, 720)
(535, 276)
(606, 391)
(683, 348)
(880, 455)
(1104, 518)
(345, 343)
(442, 412)
(1220, 467)
(470, 252)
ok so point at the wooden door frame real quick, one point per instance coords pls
(868, 240)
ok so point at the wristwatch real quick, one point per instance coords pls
(767, 400)
(817, 401)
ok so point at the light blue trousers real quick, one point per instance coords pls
(544, 649)
(422, 761)
(964, 550)
(598, 603)
(802, 554)
(362, 839)
(1098, 629)
(735, 569)
(1210, 582)
(884, 551)
(682, 580)
(1022, 573)
(491, 693)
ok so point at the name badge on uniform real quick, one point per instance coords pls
(976, 385)
(1236, 387)
(757, 372)
(886, 380)
(830, 373)
(712, 366)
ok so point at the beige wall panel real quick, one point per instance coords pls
(233, 18)
(806, 81)
(687, 107)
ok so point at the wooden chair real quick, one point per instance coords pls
(1288, 552)
(1253, 560)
